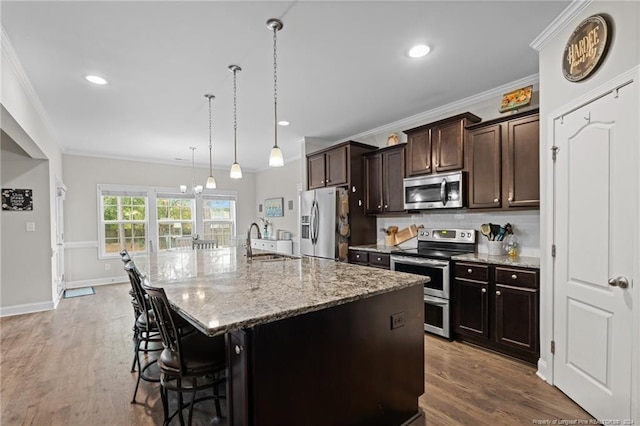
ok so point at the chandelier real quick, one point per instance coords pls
(195, 189)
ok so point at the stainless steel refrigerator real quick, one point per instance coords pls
(323, 223)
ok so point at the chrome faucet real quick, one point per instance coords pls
(249, 251)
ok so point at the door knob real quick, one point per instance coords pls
(621, 282)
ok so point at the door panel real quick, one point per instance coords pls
(596, 178)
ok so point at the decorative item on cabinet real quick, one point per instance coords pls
(516, 99)
(439, 146)
(497, 307)
(384, 174)
(503, 162)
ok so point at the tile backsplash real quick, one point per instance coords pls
(526, 226)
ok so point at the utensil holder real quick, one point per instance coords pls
(390, 240)
(495, 248)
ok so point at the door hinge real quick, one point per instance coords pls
(553, 347)
(554, 152)
(553, 250)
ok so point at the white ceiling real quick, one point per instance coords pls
(342, 68)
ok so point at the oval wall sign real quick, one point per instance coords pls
(586, 48)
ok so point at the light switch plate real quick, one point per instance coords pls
(31, 227)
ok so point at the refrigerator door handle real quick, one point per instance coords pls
(312, 222)
(316, 225)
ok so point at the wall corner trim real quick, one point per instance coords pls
(559, 23)
(28, 308)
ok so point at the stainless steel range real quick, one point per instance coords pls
(432, 257)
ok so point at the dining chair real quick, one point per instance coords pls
(189, 363)
(145, 330)
(205, 244)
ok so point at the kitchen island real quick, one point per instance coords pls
(310, 341)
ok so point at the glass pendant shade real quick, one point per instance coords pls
(211, 183)
(276, 159)
(183, 188)
(236, 171)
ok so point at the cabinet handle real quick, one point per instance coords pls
(510, 199)
(357, 256)
(386, 206)
(379, 206)
(238, 349)
(469, 270)
(322, 181)
(378, 259)
(514, 277)
(498, 293)
(328, 180)
(484, 290)
(496, 200)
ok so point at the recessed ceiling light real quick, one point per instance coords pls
(96, 80)
(419, 51)
(283, 123)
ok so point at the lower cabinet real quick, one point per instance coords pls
(370, 258)
(276, 246)
(497, 307)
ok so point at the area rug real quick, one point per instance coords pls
(77, 292)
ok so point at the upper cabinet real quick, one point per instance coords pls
(384, 174)
(438, 146)
(503, 162)
(328, 168)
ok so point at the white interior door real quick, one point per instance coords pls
(595, 223)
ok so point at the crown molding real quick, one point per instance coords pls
(457, 106)
(559, 23)
(9, 55)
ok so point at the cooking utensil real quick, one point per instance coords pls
(495, 229)
(485, 230)
(501, 233)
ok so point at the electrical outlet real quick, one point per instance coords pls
(107, 266)
(398, 320)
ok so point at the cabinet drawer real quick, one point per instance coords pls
(263, 245)
(359, 257)
(472, 271)
(516, 277)
(379, 260)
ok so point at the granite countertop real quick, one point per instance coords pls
(220, 290)
(519, 261)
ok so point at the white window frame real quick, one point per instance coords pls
(151, 222)
(121, 191)
(165, 195)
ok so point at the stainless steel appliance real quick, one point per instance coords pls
(432, 257)
(324, 223)
(438, 191)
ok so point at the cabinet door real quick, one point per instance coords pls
(522, 165)
(517, 317)
(315, 171)
(393, 175)
(447, 145)
(484, 166)
(336, 166)
(373, 176)
(418, 153)
(471, 306)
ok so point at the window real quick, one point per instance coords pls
(124, 223)
(219, 220)
(175, 219)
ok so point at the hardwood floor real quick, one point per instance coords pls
(71, 367)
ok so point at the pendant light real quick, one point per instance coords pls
(236, 171)
(275, 159)
(195, 189)
(211, 181)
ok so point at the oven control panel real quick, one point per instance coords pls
(452, 235)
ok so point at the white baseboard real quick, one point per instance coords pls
(27, 308)
(96, 281)
(542, 370)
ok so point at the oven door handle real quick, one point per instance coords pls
(419, 261)
(435, 301)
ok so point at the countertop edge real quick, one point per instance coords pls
(519, 261)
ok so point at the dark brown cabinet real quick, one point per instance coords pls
(384, 174)
(438, 146)
(497, 307)
(503, 162)
(370, 258)
(328, 168)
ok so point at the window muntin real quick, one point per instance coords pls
(124, 223)
(175, 219)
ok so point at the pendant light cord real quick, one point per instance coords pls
(275, 85)
(210, 155)
(235, 120)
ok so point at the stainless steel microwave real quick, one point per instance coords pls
(437, 191)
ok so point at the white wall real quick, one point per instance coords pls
(623, 55)
(24, 122)
(280, 182)
(26, 272)
(83, 174)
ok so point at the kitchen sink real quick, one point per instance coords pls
(271, 257)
